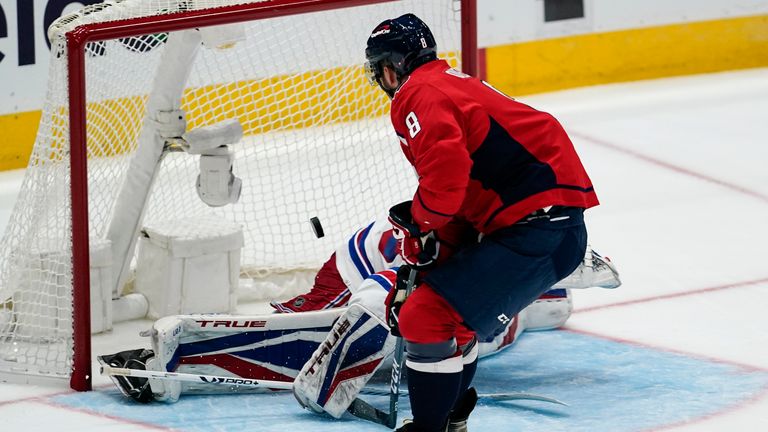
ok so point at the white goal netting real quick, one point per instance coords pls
(317, 143)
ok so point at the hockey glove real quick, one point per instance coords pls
(418, 249)
(396, 298)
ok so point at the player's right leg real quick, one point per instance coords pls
(553, 308)
(441, 358)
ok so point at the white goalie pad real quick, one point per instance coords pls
(595, 270)
(549, 311)
(344, 362)
(505, 339)
(268, 347)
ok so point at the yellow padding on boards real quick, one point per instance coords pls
(629, 55)
(17, 134)
(302, 100)
(288, 102)
(278, 103)
(285, 102)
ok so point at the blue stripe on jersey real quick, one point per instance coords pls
(357, 252)
(381, 280)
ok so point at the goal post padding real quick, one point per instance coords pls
(316, 143)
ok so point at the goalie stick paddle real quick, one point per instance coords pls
(364, 410)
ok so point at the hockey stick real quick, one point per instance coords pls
(503, 396)
(206, 379)
(366, 411)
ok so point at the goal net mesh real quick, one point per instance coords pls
(317, 143)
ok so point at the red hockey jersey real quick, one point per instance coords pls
(480, 155)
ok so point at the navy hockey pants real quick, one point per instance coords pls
(490, 282)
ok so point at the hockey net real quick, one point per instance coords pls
(316, 143)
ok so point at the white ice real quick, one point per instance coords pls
(681, 168)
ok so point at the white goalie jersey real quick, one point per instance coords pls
(367, 252)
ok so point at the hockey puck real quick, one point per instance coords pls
(317, 228)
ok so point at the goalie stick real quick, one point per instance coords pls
(287, 385)
(207, 379)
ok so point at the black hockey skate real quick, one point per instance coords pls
(457, 421)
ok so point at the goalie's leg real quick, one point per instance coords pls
(344, 362)
(270, 347)
(595, 270)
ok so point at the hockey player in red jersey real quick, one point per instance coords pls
(501, 169)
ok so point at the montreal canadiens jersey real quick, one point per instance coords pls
(369, 251)
(481, 156)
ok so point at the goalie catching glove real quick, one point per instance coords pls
(418, 249)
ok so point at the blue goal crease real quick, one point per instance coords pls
(608, 385)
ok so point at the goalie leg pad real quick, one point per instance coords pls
(163, 390)
(595, 270)
(344, 362)
(268, 347)
(551, 310)
(493, 344)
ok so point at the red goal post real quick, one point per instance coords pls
(85, 37)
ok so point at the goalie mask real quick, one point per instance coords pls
(403, 43)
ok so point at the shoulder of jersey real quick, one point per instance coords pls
(410, 85)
